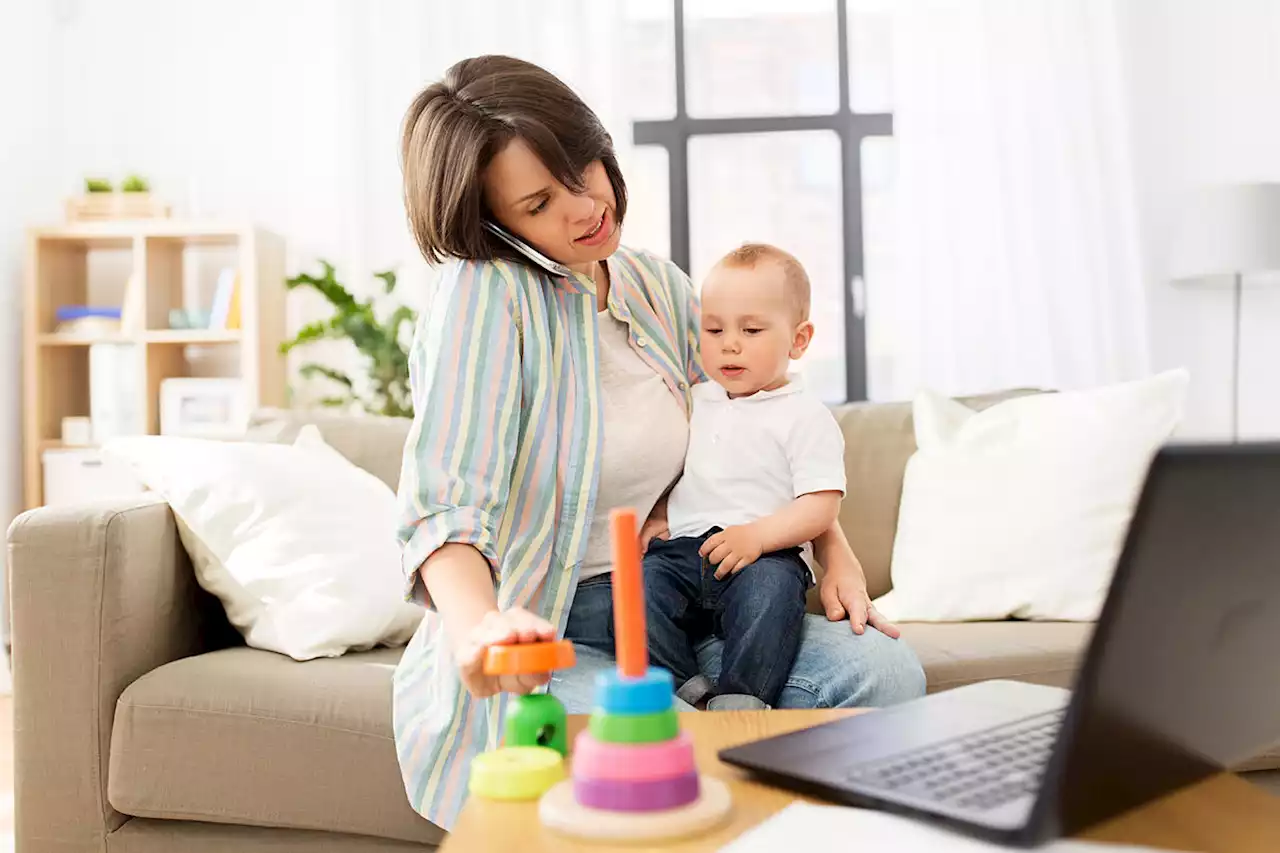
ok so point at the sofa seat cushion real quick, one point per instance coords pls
(245, 736)
(957, 653)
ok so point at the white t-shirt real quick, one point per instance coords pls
(645, 438)
(749, 457)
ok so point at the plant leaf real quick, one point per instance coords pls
(385, 357)
(400, 316)
(316, 331)
(327, 285)
(311, 369)
(388, 279)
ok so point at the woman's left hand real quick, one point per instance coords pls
(844, 595)
(654, 527)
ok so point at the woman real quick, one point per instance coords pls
(550, 385)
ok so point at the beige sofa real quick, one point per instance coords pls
(144, 724)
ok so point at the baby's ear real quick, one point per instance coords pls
(800, 340)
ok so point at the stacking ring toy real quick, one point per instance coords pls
(634, 728)
(528, 658)
(645, 694)
(647, 762)
(621, 796)
(515, 772)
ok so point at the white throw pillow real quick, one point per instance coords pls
(296, 542)
(1021, 510)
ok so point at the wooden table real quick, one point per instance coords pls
(1223, 813)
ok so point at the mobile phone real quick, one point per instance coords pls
(553, 267)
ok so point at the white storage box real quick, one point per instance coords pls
(84, 474)
(116, 402)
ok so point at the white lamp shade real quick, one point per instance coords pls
(1225, 229)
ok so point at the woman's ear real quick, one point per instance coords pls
(801, 339)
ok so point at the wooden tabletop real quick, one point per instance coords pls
(1223, 813)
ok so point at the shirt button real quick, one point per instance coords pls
(684, 386)
(642, 341)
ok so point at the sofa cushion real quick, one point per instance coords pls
(879, 438)
(955, 654)
(374, 442)
(243, 736)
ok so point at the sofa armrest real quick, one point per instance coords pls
(101, 594)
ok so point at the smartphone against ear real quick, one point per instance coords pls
(528, 251)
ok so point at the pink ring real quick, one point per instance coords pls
(654, 795)
(593, 759)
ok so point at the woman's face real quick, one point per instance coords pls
(527, 200)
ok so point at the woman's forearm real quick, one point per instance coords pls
(832, 549)
(460, 583)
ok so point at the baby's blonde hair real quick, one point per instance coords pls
(795, 279)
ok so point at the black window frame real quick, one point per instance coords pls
(673, 134)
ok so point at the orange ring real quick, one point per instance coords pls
(528, 658)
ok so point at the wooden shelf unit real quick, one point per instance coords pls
(56, 365)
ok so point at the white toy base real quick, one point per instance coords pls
(559, 811)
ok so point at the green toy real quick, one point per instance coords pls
(537, 720)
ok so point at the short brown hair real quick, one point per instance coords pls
(455, 126)
(794, 277)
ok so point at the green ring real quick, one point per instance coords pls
(634, 728)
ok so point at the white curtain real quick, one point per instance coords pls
(1017, 255)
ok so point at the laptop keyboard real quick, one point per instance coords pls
(980, 771)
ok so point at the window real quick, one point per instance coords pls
(761, 111)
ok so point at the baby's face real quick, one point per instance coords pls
(750, 331)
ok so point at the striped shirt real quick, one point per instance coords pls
(504, 454)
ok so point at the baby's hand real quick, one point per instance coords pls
(732, 549)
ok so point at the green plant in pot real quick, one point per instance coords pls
(378, 342)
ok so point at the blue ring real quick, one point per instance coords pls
(649, 694)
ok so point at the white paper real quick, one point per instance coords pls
(805, 826)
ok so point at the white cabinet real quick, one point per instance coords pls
(84, 474)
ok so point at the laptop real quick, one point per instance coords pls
(1181, 680)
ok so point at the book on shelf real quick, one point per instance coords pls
(116, 404)
(225, 312)
(87, 320)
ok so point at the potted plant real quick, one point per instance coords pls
(379, 343)
(101, 201)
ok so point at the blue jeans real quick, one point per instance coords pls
(834, 668)
(756, 612)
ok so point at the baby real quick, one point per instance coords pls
(764, 475)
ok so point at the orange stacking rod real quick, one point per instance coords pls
(628, 595)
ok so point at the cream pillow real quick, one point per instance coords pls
(297, 542)
(1021, 510)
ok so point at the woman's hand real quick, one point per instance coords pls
(655, 526)
(844, 596)
(497, 628)
(844, 585)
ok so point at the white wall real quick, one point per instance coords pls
(278, 113)
(286, 114)
(26, 38)
(1203, 80)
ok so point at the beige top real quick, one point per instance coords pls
(645, 437)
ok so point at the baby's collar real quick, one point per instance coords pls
(712, 390)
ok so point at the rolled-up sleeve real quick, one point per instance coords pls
(464, 373)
